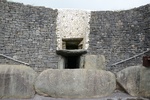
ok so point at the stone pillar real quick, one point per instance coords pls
(94, 62)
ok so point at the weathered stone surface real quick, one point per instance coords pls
(16, 81)
(120, 35)
(73, 24)
(94, 62)
(71, 52)
(32, 34)
(29, 36)
(129, 79)
(144, 82)
(135, 80)
(79, 83)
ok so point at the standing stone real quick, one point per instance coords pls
(135, 80)
(79, 83)
(94, 62)
(16, 81)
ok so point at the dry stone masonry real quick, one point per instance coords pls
(28, 34)
(120, 35)
(76, 53)
(33, 34)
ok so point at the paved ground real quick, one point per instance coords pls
(114, 96)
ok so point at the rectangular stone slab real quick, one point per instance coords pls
(94, 62)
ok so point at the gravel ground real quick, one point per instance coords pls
(114, 96)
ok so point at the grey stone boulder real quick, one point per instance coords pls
(129, 79)
(95, 62)
(144, 82)
(17, 81)
(75, 83)
(135, 80)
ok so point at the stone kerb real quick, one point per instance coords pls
(75, 83)
(135, 80)
(17, 81)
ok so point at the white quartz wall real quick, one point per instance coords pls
(72, 24)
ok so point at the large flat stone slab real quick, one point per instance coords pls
(135, 80)
(94, 62)
(78, 83)
(76, 52)
(17, 81)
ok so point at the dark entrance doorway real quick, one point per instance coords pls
(72, 49)
(72, 43)
(72, 62)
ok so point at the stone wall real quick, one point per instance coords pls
(4, 60)
(146, 19)
(33, 34)
(28, 34)
(119, 35)
(73, 24)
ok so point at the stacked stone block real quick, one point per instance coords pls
(32, 34)
(119, 35)
(28, 34)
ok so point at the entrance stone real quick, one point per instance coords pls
(75, 83)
